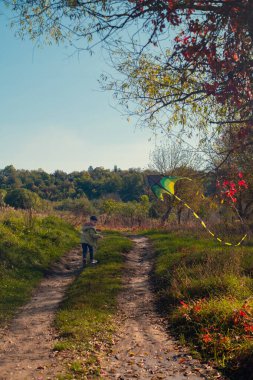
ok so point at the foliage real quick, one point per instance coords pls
(2, 197)
(207, 291)
(234, 174)
(189, 189)
(172, 101)
(170, 155)
(22, 198)
(92, 184)
(26, 250)
(128, 214)
(85, 318)
(206, 49)
(77, 206)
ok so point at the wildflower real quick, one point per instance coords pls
(184, 305)
(242, 314)
(197, 308)
(207, 338)
(248, 327)
(224, 339)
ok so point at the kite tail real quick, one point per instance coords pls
(206, 228)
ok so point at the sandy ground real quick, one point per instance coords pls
(143, 348)
(26, 347)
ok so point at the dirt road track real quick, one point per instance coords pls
(26, 346)
(143, 349)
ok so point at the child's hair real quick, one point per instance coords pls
(94, 218)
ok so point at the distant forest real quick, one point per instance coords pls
(124, 185)
(123, 197)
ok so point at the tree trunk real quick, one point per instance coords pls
(167, 214)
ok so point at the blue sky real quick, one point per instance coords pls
(53, 114)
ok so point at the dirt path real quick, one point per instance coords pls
(26, 346)
(143, 349)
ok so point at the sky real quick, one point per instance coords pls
(54, 116)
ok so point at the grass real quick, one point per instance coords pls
(85, 318)
(206, 291)
(26, 251)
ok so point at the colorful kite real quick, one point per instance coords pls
(165, 185)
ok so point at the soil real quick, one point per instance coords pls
(142, 350)
(26, 347)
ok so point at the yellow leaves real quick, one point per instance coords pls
(55, 32)
(72, 3)
(36, 10)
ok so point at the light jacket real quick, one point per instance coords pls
(89, 235)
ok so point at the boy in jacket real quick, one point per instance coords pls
(89, 239)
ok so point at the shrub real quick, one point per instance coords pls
(22, 198)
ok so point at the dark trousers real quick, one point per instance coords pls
(85, 248)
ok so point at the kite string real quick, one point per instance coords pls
(171, 193)
(205, 226)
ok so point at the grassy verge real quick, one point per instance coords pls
(26, 250)
(85, 318)
(206, 290)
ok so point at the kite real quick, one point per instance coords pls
(166, 185)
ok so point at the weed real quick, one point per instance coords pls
(207, 292)
(85, 318)
(26, 253)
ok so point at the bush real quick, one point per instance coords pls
(25, 253)
(77, 206)
(2, 197)
(22, 198)
(206, 290)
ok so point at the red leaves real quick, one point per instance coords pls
(207, 338)
(243, 318)
(242, 183)
(194, 26)
(235, 57)
(229, 189)
(170, 4)
(211, 88)
(227, 64)
(218, 334)
(242, 134)
(248, 327)
(184, 305)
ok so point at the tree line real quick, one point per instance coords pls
(125, 185)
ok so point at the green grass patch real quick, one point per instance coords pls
(206, 290)
(26, 251)
(85, 318)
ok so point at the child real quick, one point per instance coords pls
(89, 238)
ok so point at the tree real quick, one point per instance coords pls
(172, 159)
(132, 186)
(171, 155)
(9, 177)
(210, 40)
(2, 197)
(80, 207)
(234, 182)
(22, 198)
(125, 213)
